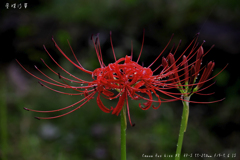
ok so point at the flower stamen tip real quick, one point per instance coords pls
(59, 76)
(180, 42)
(26, 108)
(37, 118)
(96, 41)
(40, 83)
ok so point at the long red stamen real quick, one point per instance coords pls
(161, 52)
(114, 55)
(84, 70)
(141, 46)
(56, 110)
(90, 96)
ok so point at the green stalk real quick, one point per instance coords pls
(183, 127)
(123, 133)
(3, 119)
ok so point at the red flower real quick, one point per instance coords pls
(187, 82)
(125, 76)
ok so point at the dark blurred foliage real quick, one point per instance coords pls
(88, 133)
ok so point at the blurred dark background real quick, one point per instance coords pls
(89, 133)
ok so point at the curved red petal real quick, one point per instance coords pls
(101, 106)
(120, 104)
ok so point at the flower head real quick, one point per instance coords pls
(124, 79)
(186, 75)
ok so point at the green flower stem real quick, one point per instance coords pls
(183, 127)
(3, 120)
(123, 133)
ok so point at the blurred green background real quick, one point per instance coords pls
(89, 133)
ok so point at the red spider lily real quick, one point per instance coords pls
(188, 84)
(125, 76)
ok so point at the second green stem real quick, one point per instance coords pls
(183, 127)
